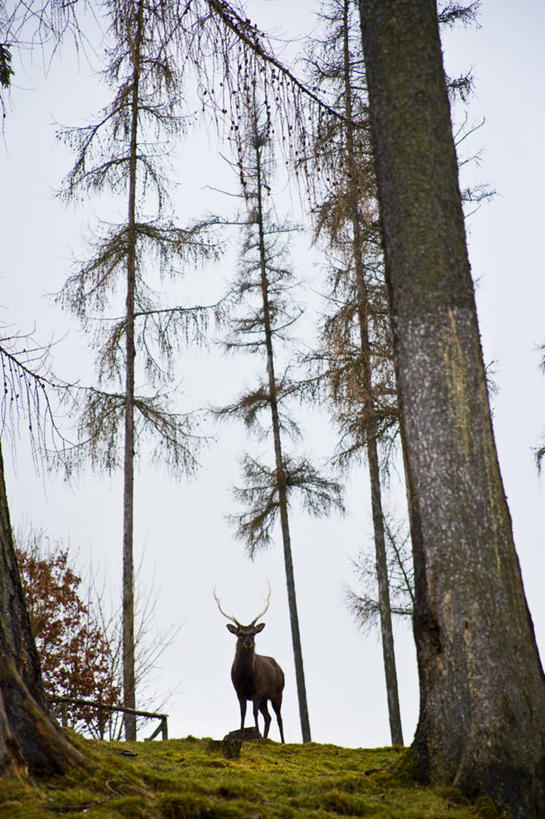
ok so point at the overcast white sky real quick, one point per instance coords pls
(182, 537)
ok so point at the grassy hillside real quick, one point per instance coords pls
(189, 778)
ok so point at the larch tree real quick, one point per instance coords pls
(482, 688)
(122, 151)
(263, 291)
(354, 354)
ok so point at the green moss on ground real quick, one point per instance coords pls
(190, 778)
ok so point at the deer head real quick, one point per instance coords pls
(245, 634)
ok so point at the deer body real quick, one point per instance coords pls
(256, 678)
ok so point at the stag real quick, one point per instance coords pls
(255, 677)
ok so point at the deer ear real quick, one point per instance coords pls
(259, 627)
(232, 628)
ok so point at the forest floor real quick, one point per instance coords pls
(187, 778)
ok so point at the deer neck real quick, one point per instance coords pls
(244, 659)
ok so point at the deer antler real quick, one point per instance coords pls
(267, 599)
(229, 616)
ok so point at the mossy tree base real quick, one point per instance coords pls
(30, 741)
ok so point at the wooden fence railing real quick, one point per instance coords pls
(162, 728)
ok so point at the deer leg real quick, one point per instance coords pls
(267, 717)
(276, 704)
(256, 711)
(242, 703)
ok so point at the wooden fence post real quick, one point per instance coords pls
(64, 702)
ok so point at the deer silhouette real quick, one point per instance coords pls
(255, 678)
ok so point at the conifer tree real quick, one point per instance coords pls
(121, 151)
(263, 291)
(354, 357)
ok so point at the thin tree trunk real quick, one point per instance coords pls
(381, 565)
(280, 472)
(129, 693)
(386, 628)
(30, 741)
(482, 688)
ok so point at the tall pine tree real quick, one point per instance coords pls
(263, 290)
(353, 360)
(121, 151)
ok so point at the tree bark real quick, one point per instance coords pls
(482, 688)
(386, 628)
(280, 471)
(30, 741)
(129, 685)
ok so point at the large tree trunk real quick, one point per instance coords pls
(381, 563)
(30, 741)
(482, 707)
